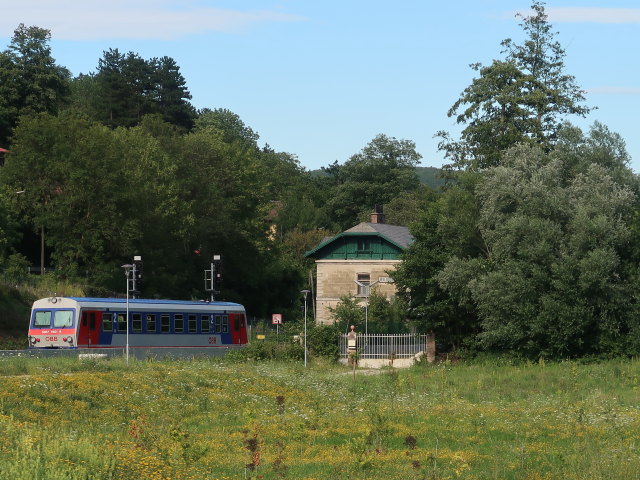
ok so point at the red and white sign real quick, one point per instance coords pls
(276, 319)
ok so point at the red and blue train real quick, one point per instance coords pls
(72, 322)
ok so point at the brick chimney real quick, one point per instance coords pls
(377, 216)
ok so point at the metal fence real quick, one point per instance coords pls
(383, 346)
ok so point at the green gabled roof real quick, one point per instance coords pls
(394, 234)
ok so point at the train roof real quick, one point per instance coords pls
(144, 301)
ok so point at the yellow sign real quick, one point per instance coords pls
(260, 337)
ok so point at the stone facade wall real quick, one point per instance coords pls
(337, 278)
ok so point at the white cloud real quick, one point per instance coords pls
(614, 90)
(154, 19)
(591, 14)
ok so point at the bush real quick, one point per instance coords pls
(322, 341)
(259, 350)
(16, 269)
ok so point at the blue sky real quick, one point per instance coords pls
(320, 79)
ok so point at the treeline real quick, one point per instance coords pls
(534, 251)
(118, 163)
(530, 248)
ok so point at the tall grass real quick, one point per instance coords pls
(211, 418)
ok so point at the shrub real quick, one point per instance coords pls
(322, 341)
(259, 350)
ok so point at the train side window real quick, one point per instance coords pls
(136, 322)
(236, 323)
(92, 321)
(193, 323)
(85, 317)
(205, 323)
(178, 323)
(122, 322)
(151, 323)
(63, 318)
(42, 319)
(218, 324)
(165, 326)
(225, 324)
(107, 322)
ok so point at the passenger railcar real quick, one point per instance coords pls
(71, 322)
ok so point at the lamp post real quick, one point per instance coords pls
(305, 292)
(128, 268)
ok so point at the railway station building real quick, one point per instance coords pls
(357, 262)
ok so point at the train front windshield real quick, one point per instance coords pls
(52, 319)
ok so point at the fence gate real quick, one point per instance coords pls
(385, 346)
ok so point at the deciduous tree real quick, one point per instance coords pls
(382, 170)
(555, 278)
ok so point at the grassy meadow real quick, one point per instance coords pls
(214, 419)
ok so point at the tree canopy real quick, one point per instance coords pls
(523, 98)
(383, 169)
(30, 80)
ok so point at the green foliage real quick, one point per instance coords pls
(261, 350)
(381, 315)
(15, 306)
(408, 207)
(553, 280)
(447, 227)
(431, 177)
(229, 124)
(383, 169)
(30, 80)
(16, 268)
(149, 191)
(322, 341)
(347, 312)
(129, 87)
(521, 99)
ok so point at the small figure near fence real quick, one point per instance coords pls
(352, 351)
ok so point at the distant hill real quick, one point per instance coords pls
(429, 176)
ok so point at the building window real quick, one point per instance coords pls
(364, 245)
(363, 281)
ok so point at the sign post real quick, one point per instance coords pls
(276, 319)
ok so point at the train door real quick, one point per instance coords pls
(238, 328)
(89, 328)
